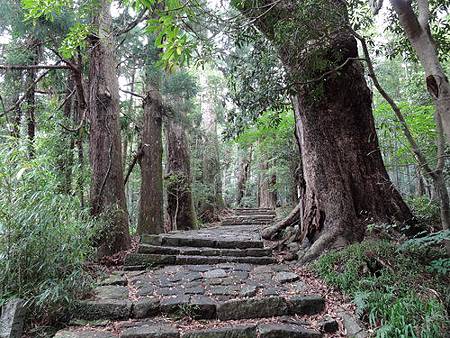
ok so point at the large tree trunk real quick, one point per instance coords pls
(346, 183)
(211, 168)
(151, 219)
(107, 190)
(180, 207)
(418, 32)
(243, 175)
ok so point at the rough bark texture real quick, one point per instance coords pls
(243, 175)
(180, 207)
(107, 190)
(151, 214)
(346, 183)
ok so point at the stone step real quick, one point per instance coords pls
(147, 260)
(249, 221)
(198, 307)
(162, 329)
(185, 241)
(202, 251)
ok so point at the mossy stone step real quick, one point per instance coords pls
(146, 260)
(203, 251)
(158, 330)
(199, 307)
(186, 241)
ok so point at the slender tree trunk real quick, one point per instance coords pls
(346, 183)
(180, 206)
(65, 160)
(30, 96)
(267, 191)
(107, 190)
(417, 30)
(243, 176)
(420, 184)
(211, 168)
(151, 215)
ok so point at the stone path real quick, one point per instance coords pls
(222, 279)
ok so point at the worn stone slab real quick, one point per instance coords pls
(203, 307)
(114, 279)
(171, 305)
(306, 305)
(216, 273)
(157, 249)
(149, 260)
(12, 319)
(242, 331)
(111, 292)
(144, 308)
(195, 260)
(150, 331)
(249, 291)
(252, 308)
(84, 334)
(285, 331)
(286, 277)
(103, 309)
(151, 239)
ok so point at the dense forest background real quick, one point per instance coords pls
(123, 118)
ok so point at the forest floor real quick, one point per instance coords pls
(220, 281)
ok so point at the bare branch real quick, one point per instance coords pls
(36, 67)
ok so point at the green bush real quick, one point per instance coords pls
(44, 237)
(394, 291)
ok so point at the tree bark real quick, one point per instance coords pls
(243, 175)
(180, 206)
(418, 32)
(65, 160)
(267, 191)
(346, 183)
(107, 190)
(211, 168)
(151, 214)
(30, 96)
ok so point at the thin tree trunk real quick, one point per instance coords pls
(267, 191)
(417, 30)
(30, 96)
(243, 175)
(211, 168)
(180, 206)
(346, 183)
(107, 190)
(151, 214)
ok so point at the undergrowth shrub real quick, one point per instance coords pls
(45, 236)
(394, 290)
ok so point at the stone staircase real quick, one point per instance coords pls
(218, 282)
(259, 216)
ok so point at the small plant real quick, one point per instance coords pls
(393, 291)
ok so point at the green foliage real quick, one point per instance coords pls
(74, 40)
(426, 211)
(393, 289)
(45, 235)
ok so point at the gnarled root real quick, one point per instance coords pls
(273, 231)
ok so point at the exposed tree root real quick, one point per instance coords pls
(273, 231)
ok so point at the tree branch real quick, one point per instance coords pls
(36, 67)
